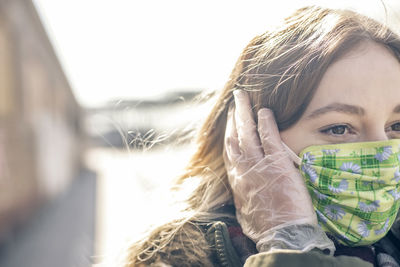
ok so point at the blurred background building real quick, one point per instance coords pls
(40, 120)
(41, 133)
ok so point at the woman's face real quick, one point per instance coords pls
(358, 100)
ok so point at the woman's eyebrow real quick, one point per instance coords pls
(396, 109)
(343, 108)
(340, 107)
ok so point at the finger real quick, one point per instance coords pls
(269, 134)
(249, 141)
(231, 141)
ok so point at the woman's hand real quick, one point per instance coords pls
(269, 192)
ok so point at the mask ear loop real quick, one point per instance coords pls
(296, 159)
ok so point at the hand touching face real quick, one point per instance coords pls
(267, 188)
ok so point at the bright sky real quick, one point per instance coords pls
(134, 49)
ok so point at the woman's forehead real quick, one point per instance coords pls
(368, 76)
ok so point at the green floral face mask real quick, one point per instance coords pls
(355, 188)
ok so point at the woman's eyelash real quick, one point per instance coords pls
(397, 126)
(339, 129)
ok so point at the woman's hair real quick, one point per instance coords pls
(280, 70)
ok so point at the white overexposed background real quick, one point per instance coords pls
(130, 48)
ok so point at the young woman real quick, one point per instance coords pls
(298, 162)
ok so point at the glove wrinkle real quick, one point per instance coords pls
(301, 237)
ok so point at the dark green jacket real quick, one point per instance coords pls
(225, 253)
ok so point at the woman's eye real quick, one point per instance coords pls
(396, 127)
(337, 130)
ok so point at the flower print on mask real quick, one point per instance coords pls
(308, 158)
(398, 155)
(373, 206)
(384, 153)
(321, 216)
(383, 229)
(350, 167)
(319, 195)
(334, 212)
(339, 188)
(366, 183)
(380, 181)
(310, 172)
(397, 176)
(330, 151)
(395, 193)
(363, 229)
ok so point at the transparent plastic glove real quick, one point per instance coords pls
(271, 199)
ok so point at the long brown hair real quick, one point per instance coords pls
(281, 70)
